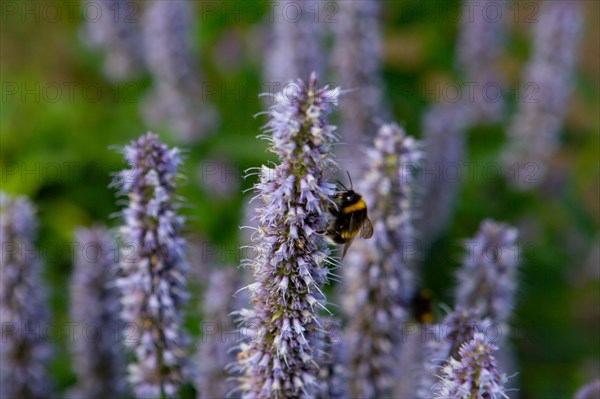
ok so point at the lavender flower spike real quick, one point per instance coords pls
(534, 131)
(295, 50)
(153, 267)
(473, 374)
(280, 361)
(379, 273)
(357, 60)
(444, 127)
(24, 352)
(212, 381)
(178, 99)
(117, 33)
(487, 280)
(480, 44)
(442, 342)
(589, 391)
(99, 363)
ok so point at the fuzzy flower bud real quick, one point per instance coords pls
(24, 312)
(379, 273)
(99, 362)
(153, 268)
(487, 280)
(534, 131)
(289, 268)
(473, 373)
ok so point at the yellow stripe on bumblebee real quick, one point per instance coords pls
(358, 206)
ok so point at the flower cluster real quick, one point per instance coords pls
(457, 328)
(443, 128)
(24, 312)
(487, 279)
(280, 361)
(295, 51)
(534, 130)
(589, 391)
(100, 362)
(473, 374)
(214, 355)
(357, 62)
(178, 97)
(153, 268)
(379, 273)
(115, 31)
(333, 375)
(480, 43)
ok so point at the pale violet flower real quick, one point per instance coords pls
(290, 266)
(153, 268)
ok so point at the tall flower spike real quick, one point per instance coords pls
(473, 374)
(178, 99)
(442, 341)
(443, 128)
(117, 32)
(153, 268)
(99, 363)
(534, 130)
(589, 391)
(333, 374)
(379, 273)
(480, 43)
(487, 279)
(214, 352)
(23, 304)
(295, 51)
(280, 361)
(357, 60)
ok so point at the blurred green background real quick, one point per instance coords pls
(57, 152)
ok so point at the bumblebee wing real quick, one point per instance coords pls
(346, 246)
(367, 229)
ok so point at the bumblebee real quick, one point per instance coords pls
(350, 217)
(422, 306)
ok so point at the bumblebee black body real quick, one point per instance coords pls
(349, 218)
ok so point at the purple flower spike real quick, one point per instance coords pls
(379, 273)
(546, 88)
(589, 391)
(280, 361)
(295, 49)
(333, 375)
(153, 268)
(214, 354)
(99, 362)
(480, 44)
(24, 312)
(444, 127)
(116, 31)
(473, 373)
(487, 280)
(178, 100)
(357, 60)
